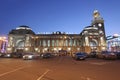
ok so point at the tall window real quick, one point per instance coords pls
(44, 43)
(78, 44)
(66, 42)
(57, 42)
(61, 43)
(53, 43)
(36, 43)
(40, 43)
(70, 42)
(48, 43)
(87, 41)
(74, 43)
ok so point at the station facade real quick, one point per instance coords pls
(92, 38)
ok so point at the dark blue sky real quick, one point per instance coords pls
(58, 15)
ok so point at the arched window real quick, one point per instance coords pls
(20, 44)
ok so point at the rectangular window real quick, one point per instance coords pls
(53, 42)
(48, 43)
(74, 43)
(57, 42)
(70, 42)
(40, 43)
(44, 43)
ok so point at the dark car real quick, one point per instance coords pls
(80, 56)
(16, 55)
(117, 54)
(110, 55)
(62, 52)
(46, 55)
(8, 55)
(101, 54)
(2, 54)
(93, 54)
(107, 55)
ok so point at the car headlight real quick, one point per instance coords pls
(42, 55)
(29, 56)
(112, 54)
(23, 56)
(8, 55)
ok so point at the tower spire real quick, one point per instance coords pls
(96, 14)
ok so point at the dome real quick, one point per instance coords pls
(22, 30)
(23, 27)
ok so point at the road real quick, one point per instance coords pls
(59, 68)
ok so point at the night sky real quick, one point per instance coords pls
(58, 15)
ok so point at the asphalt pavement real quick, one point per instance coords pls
(59, 68)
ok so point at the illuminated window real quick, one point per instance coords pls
(78, 44)
(40, 43)
(74, 43)
(102, 41)
(66, 42)
(53, 43)
(48, 43)
(57, 42)
(86, 40)
(44, 43)
(71, 42)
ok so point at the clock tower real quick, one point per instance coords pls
(98, 23)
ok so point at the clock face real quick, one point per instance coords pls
(101, 32)
(99, 24)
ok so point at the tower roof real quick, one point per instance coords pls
(96, 11)
(96, 14)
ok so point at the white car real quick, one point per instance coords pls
(28, 56)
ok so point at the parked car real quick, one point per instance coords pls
(110, 55)
(117, 54)
(2, 54)
(17, 55)
(107, 55)
(92, 54)
(62, 52)
(80, 56)
(101, 54)
(29, 56)
(46, 55)
(7, 55)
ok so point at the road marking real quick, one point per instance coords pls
(60, 59)
(43, 74)
(99, 63)
(88, 78)
(11, 71)
(85, 78)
